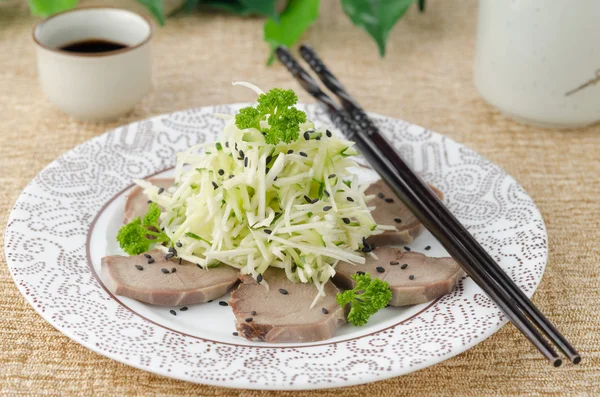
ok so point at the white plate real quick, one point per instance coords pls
(67, 217)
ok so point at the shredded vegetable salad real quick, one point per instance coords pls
(273, 191)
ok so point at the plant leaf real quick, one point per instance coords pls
(156, 8)
(377, 17)
(293, 22)
(45, 8)
(246, 7)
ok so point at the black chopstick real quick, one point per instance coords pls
(361, 118)
(404, 191)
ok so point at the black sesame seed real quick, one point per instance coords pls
(307, 199)
(268, 160)
(259, 278)
(393, 263)
(173, 312)
(267, 169)
(169, 255)
(268, 231)
(164, 270)
(380, 269)
(183, 309)
(253, 312)
(274, 179)
(290, 151)
(407, 248)
(226, 144)
(179, 261)
(327, 208)
(198, 266)
(149, 201)
(215, 186)
(221, 171)
(231, 176)
(303, 154)
(389, 200)
(210, 301)
(162, 189)
(172, 249)
(306, 135)
(346, 220)
(326, 193)
(139, 267)
(283, 291)
(249, 320)
(314, 200)
(223, 303)
(360, 273)
(325, 311)
(366, 248)
(397, 220)
(241, 152)
(246, 162)
(428, 248)
(404, 266)
(173, 270)
(318, 138)
(411, 277)
(148, 256)
(380, 195)
(178, 244)
(328, 133)
(151, 260)
(235, 334)
(331, 176)
(350, 199)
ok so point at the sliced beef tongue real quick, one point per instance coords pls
(389, 210)
(283, 313)
(150, 278)
(413, 277)
(137, 202)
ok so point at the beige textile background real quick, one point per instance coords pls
(426, 78)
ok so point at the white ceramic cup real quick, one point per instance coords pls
(538, 61)
(94, 86)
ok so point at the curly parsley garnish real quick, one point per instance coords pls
(140, 235)
(275, 107)
(365, 299)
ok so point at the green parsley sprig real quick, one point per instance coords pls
(141, 234)
(275, 107)
(366, 298)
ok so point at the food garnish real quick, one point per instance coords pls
(365, 299)
(141, 234)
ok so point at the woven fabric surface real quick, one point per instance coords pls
(426, 78)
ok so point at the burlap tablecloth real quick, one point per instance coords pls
(426, 78)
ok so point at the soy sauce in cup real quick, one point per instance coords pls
(94, 63)
(93, 46)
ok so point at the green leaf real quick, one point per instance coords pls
(377, 17)
(156, 8)
(293, 22)
(45, 8)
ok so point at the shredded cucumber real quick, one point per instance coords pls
(252, 205)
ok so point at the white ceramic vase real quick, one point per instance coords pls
(538, 61)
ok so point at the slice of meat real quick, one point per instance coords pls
(188, 285)
(432, 277)
(287, 316)
(137, 202)
(393, 213)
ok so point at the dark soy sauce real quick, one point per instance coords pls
(92, 46)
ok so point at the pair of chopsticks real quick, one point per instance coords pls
(427, 207)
